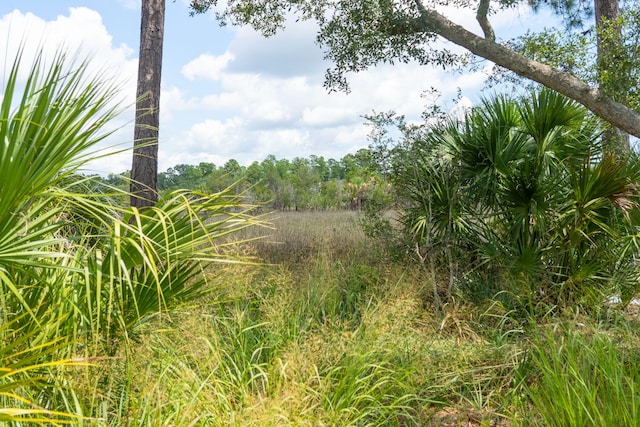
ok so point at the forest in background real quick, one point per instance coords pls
(312, 183)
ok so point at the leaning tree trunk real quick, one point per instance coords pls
(144, 169)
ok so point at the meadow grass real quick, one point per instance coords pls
(585, 376)
(326, 330)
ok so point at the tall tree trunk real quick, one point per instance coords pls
(144, 169)
(607, 13)
(609, 41)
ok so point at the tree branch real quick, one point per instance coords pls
(483, 20)
(604, 107)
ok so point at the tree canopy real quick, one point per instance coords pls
(358, 34)
(315, 183)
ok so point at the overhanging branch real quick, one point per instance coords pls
(604, 107)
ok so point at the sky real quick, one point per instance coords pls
(228, 93)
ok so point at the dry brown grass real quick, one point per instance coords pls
(323, 296)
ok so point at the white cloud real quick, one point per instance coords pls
(213, 136)
(325, 115)
(293, 141)
(259, 96)
(292, 52)
(211, 102)
(171, 99)
(82, 34)
(207, 141)
(295, 116)
(207, 66)
(502, 21)
(461, 108)
(518, 18)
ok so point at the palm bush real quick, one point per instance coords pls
(79, 274)
(522, 188)
(25, 376)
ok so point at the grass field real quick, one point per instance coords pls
(326, 330)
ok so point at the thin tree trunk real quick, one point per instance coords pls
(606, 13)
(482, 16)
(609, 41)
(144, 169)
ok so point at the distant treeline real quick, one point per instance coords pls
(299, 184)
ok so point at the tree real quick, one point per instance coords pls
(610, 45)
(361, 33)
(230, 175)
(144, 169)
(598, 43)
(320, 166)
(337, 169)
(305, 181)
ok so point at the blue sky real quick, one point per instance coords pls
(229, 93)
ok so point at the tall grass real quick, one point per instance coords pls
(340, 335)
(277, 345)
(583, 378)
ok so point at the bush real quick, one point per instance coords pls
(525, 189)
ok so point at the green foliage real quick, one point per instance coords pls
(283, 344)
(357, 34)
(353, 182)
(46, 131)
(245, 352)
(73, 261)
(579, 378)
(363, 389)
(556, 47)
(574, 13)
(613, 67)
(523, 187)
(152, 260)
(27, 356)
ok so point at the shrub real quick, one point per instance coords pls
(525, 189)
